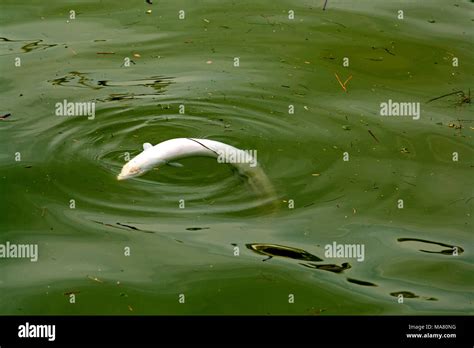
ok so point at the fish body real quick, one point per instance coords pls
(174, 149)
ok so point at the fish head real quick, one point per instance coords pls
(135, 167)
(130, 170)
(140, 164)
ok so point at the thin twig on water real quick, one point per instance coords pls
(446, 95)
(373, 136)
(325, 3)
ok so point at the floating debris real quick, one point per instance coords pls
(75, 79)
(158, 83)
(453, 250)
(343, 85)
(129, 226)
(464, 97)
(95, 279)
(404, 150)
(325, 3)
(197, 228)
(409, 183)
(103, 223)
(5, 116)
(455, 126)
(405, 294)
(36, 45)
(272, 250)
(328, 267)
(408, 294)
(123, 225)
(383, 48)
(373, 135)
(360, 282)
(148, 11)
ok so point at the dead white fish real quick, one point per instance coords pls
(164, 153)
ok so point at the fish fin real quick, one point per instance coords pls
(146, 146)
(175, 164)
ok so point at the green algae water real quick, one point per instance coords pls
(372, 214)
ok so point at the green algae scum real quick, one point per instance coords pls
(359, 115)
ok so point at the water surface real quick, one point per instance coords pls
(191, 251)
